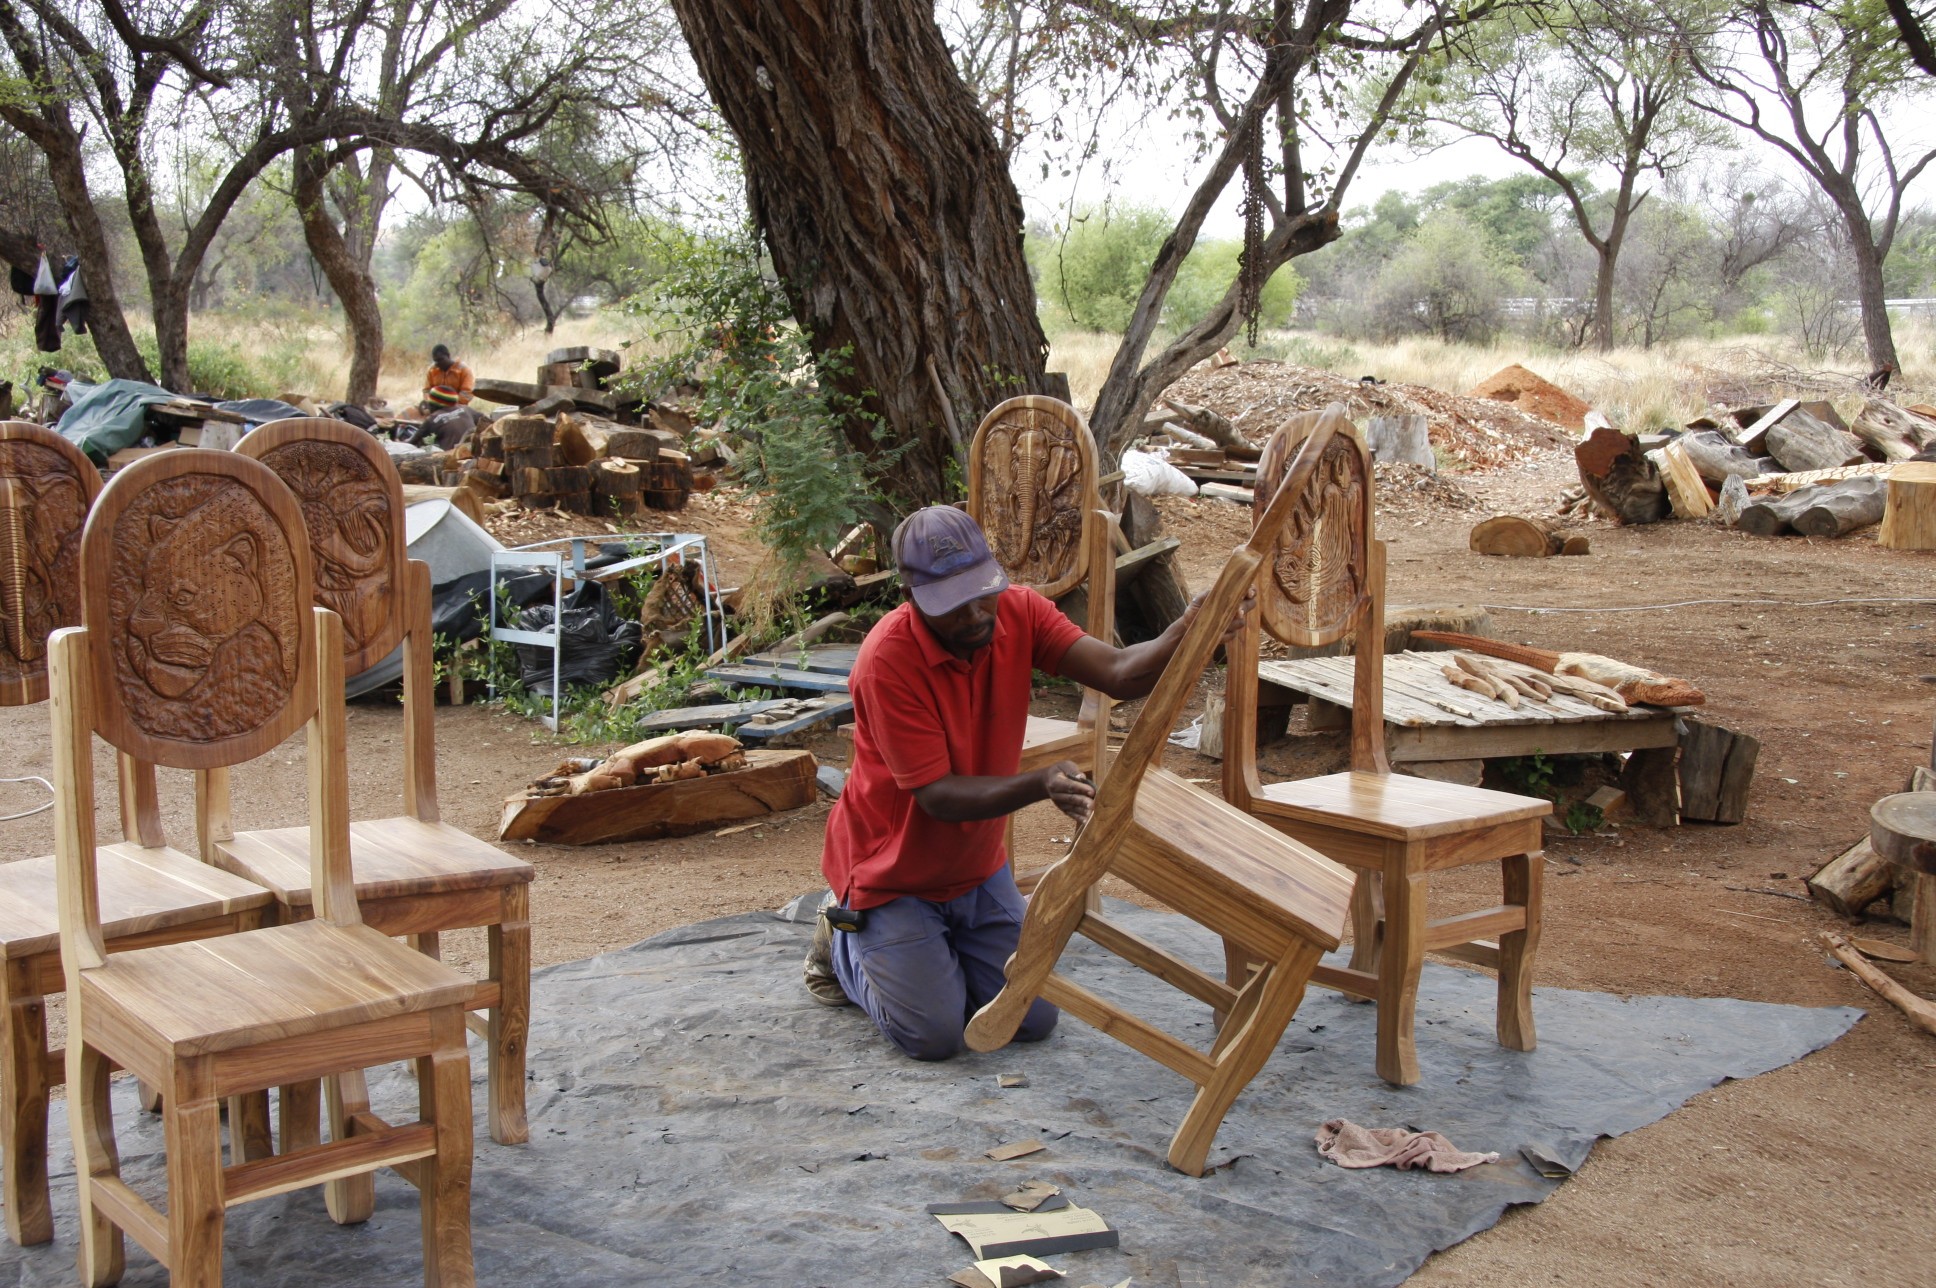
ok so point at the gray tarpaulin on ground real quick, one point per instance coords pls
(102, 419)
(697, 1120)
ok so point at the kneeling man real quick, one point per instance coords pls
(914, 844)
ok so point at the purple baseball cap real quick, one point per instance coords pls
(944, 560)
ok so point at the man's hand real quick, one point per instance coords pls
(1069, 789)
(1245, 608)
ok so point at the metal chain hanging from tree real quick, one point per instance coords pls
(1250, 265)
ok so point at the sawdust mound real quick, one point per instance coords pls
(1535, 395)
(1469, 433)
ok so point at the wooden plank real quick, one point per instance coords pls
(1126, 1028)
(283, 1173)
(1451, 742)
(1129, 566)
(770, 677)
(824, 659)
(712, 716)
(756, 732)
(772, 781)
(1686, 490)
(1789, 482)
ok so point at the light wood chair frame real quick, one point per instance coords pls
(152, 894)
(407, 1008)
(500, 904)
(1392, 931)
(1200, 857)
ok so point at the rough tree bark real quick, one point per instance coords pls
(888, 208)
(349, 276)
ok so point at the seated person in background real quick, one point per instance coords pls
(913, 851)
(447, 396)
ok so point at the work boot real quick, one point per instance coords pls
(818, 969)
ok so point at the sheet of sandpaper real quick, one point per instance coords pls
(697, 1119)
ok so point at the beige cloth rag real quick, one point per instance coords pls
(1349, 1145)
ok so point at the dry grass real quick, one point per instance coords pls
(1636, 388)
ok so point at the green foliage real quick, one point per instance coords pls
(1581, 818)
(1529, 775)
(1443, 282)
(758, 378)
(1091, 277)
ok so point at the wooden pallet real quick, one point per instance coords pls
(1429, 718)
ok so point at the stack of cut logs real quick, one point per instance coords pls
(564, 462)
(1791, 467)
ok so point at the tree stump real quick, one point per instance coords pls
(1909, 513)
(1716, 767)
(525, 433)
(1618, 475)
(1852, 880)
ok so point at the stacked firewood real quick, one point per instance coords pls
(572, 463)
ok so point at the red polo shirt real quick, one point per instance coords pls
(921, 714)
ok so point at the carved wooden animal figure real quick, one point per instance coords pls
(1317, 577)
(346, 511)
(44, 499)
(212, 635)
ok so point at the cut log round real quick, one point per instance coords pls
(569, 478)
(617, 478)
(1516, 536)
(1618, 476)
(1903, 830)
(531, 482)
(524, 433)
(534, 458)
(1852, 880)
(571, 445)
(1909, 514)
(635, 444)
(421, 469)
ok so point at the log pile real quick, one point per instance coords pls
(1792, 467)
(570, 462)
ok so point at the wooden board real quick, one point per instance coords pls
(1429, 718)
(835, 710)
(1785, 483)
(1686, 490)
(772, 781)
(822, 659)
(715, 716)
(517, 393)
(778, 677)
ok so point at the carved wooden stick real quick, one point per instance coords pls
(1921, 1013)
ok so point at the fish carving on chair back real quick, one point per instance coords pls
(1316, 577)
(202, 586)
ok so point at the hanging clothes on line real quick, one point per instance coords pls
(71, 313)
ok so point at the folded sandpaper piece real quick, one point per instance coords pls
(697, 1119)
(997, 1230)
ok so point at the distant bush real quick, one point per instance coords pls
(1443, 282)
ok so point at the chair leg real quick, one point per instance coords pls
(1367, 923)
(250, 1137)
(299, 1109)
(444, 1101)
(1402, 958)
(23, 1086)
(1523, 873)
(350, 1199)
(510, 965)
(90, 1117)
(192, 1125)
(1242, 1049)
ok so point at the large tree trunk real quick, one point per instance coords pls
(348, 277)
(1869, 289)
(888, 208)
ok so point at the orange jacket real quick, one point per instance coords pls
(454, 384)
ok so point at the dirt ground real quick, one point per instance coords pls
(1819, 1173)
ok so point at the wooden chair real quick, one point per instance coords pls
(1032, 488)
(200, 650)
(1201, 857)
(1324, 581)
(149, 892)
(415, 875)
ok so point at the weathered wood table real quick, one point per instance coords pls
(1428, 719)
(1902, 829)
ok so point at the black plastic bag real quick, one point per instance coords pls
(599, 645)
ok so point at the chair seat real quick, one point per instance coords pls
(1235, 863)
(389, 858)
(143, 890)
(1397, 806)
(1045, 741)
(233, 991)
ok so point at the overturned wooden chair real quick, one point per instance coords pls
(1324, 580)
(149, 892)
(1205, 859)
(415, 875)
(201, 650)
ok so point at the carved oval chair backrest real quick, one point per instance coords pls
(1032, 488)
(46, 489)
(197, 600)
(352, 507)
(1316, 581)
